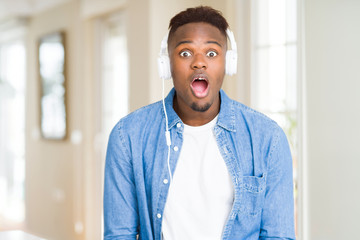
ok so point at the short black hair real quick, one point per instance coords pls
(199, 14)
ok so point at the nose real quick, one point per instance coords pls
(199, 62)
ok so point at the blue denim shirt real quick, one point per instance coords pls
(254, 148)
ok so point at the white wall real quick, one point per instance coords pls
(52, 167)
(332, 48)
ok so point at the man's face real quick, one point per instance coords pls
(197, 59)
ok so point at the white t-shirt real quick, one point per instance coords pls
(201, 194)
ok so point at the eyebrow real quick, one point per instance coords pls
(208, 42)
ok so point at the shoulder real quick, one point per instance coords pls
(239, 117)
(259, 128)
(141, 115)
(254, 118)
(262, 134)
(135, 122)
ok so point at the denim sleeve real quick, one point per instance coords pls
(120, 204)
(278, 212)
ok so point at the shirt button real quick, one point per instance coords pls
(178, 125)
(176, 148)
(166, 181)
(158, 215)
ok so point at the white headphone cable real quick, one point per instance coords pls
(167, 133)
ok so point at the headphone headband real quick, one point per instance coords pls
(231, 37)
(163, 45)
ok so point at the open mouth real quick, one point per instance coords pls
(200, 86)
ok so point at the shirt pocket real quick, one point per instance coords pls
(252, 194)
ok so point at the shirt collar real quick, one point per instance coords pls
(226, 117)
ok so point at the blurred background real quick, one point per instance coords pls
(70, 69)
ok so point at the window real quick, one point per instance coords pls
(112, 91)
(114, 79)
(12, 127)
(274, 79)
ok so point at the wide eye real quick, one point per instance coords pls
(211, 54)
(185, 54)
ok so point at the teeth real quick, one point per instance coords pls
(200, 79)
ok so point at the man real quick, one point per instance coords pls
(232, 166)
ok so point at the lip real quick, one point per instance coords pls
(196, 93)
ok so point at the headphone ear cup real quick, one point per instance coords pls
(231, 62)
(164, 67)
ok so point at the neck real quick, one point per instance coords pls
(196, 118)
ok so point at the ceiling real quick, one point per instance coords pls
(14, 8)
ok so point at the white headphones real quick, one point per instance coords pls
(230, 64)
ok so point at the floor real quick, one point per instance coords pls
(17, 235)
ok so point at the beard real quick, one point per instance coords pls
(198, 108)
